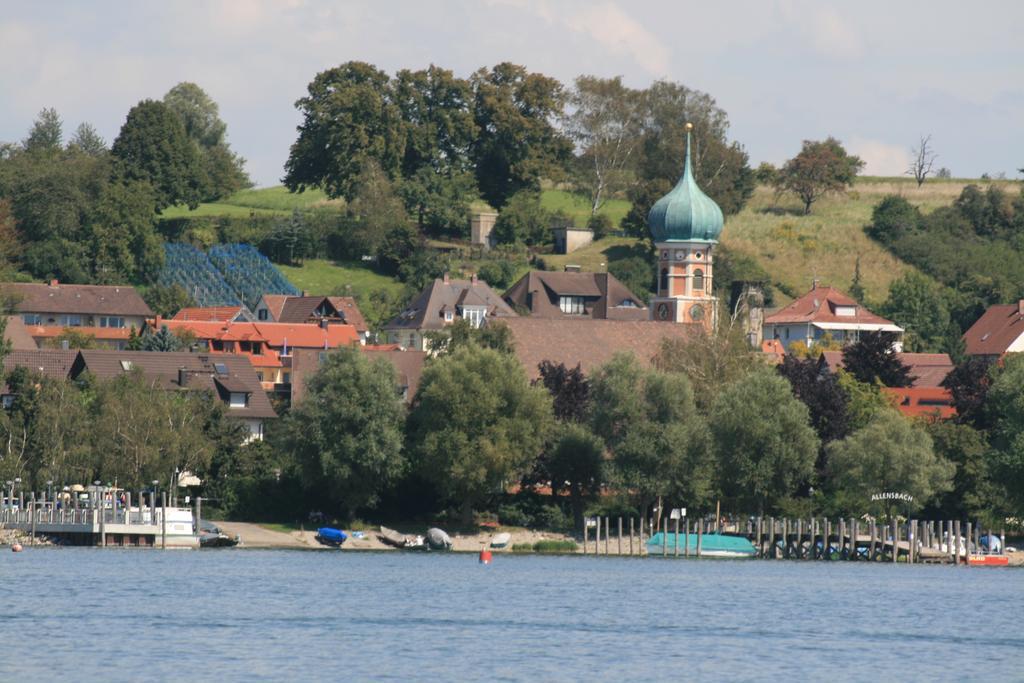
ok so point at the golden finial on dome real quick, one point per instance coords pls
(689, 126)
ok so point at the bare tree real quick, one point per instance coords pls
(923, 159)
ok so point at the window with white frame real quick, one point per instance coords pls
(474, 315)
(571, 305)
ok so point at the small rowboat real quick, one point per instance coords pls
(501, 540)
(332, 537)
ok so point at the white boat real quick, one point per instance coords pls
(501, 540)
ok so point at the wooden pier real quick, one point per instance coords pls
(813, 538)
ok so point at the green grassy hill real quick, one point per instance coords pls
(793, 248)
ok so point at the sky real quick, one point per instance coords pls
(876, 75)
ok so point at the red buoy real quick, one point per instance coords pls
(485, 557)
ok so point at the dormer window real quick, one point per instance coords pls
(238, 399)
(571, 305)
(846, 311)
(474, 315)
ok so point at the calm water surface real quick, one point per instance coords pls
(121, 615)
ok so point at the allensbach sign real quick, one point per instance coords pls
(892, 495)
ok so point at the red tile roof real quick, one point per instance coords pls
(996, 330)
(540, 292)
(819, 306)
(298, 335)
(933, 402)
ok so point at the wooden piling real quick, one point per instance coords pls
(799, 539)
(163, 519)
(911, 540)
(758, 538)
(967, 545)
(619, 537)
(676, 544)
(597, 536)
(686, 537)
(32, 537)
(785, 537)
(826, 539)
(700, 533)
(630, 536)
(664, 536)
(854, 533)
(895, 541)
(607, 533)
(771, 537)
(956, 541)
(586, 533)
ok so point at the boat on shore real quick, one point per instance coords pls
(331, 537)
(501, 540)
(397, 539)
(711, 545)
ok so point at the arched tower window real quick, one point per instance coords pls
(698, 280)
(664, 281)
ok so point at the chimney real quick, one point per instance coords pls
(305, 293)
(65, 344)
(182, 377)
(54, 283)
(445, 278)
(814, 284)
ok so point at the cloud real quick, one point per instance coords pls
(881, 158)
(608, 25)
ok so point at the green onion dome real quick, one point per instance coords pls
(685, 214)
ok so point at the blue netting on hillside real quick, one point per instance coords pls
(229, 275)
(249, 273)
(190, 268)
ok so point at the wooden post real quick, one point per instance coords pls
(1002, 541)
(967, 545)
(758, 537)
(607, 533)
(771, 536)
(854, 532)
(955, 544)
(826, 539)
(911, 539)
(619, 538)
(700, 532)
(631, 537)
(871, 543)
(163, 519)
(597, 536)
(842, 539)
(128, 509)
(686, 537)
(586, 532)
(799, 539)
(895, 541)
(677, 538)
(32, 538)
(664, 536)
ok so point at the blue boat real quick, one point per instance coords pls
(331, 537)
(711, 545)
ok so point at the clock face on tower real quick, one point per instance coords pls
(662, 311)
(696, 312)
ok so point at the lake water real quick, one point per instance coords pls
(123, 615)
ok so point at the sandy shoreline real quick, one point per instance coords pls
(256, 536)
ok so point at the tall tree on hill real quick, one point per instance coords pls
(46, 136)
(122, 244)
(722, 168)
(873, 359)
(605, 123)
(821, 168)
(346, 434)
(517, 143)
(436, 109)
(87, 141)
(922, 160)
(223, 169)
(153, 147)
(470, 455)
(349, 118)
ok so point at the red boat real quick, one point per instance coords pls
(988, 560)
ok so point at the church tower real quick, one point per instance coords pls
(685, 225)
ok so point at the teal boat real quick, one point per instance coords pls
(711, 545)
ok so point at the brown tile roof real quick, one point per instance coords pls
(301, 309)
(209, 314)
(996, 330)
(274, 303)
(18, 335)
(926, 369)
(349, 309)
(587, 342)
(426, 310)
(55, 363)
(408, 368)
(201, 374)
(539, 291)
(90, 299)
(819, 306)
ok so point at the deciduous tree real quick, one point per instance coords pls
(471, 454)
(821, 168)
(873, 359)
